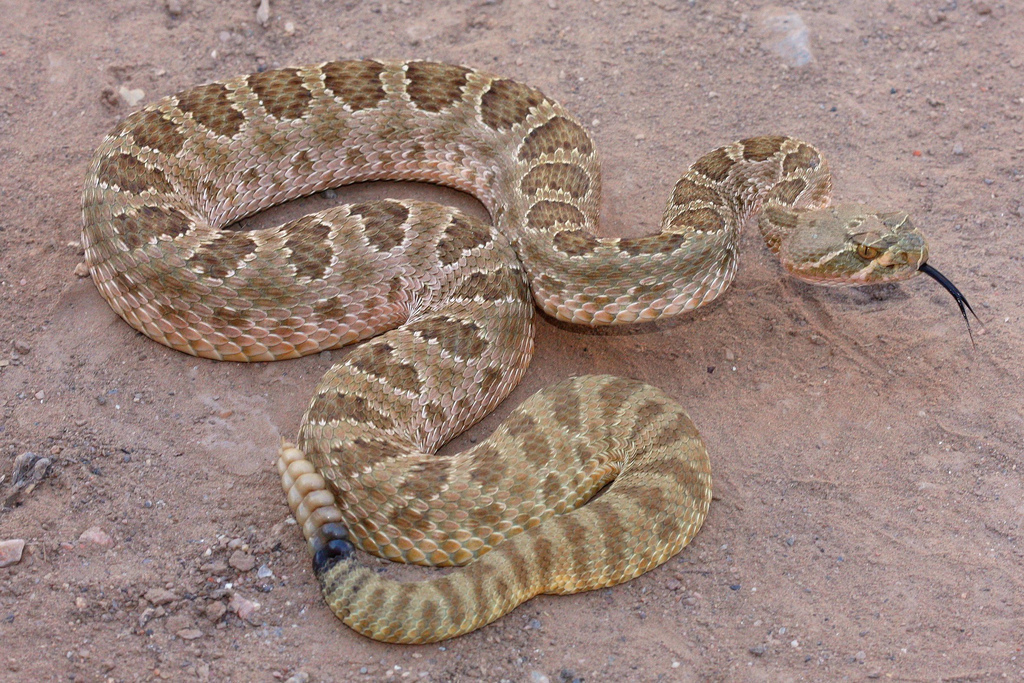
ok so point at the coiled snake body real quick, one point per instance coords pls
(447, 302)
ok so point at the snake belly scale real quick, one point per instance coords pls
(446, 302)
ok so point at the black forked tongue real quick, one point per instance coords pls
(961, 300)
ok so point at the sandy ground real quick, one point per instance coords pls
(867, 460)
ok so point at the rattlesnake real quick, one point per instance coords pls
(450, 298)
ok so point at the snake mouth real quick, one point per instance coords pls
(961, 300)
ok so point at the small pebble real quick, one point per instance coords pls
(673, 584)
(132, 96)
(264, 572)
(215, 610)
(96, 535)
(173, 7)
(958, 149)
(242, 561)
(289, 28)
(22, 347)
(189, 633)
(10, 551)
(160, 596)
(532, 625)
(539, 677)
(242, 607)
(298, 677)
(757, 650)
(263, 13)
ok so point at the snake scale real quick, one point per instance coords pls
(446, 302)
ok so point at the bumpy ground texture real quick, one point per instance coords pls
(867, 494)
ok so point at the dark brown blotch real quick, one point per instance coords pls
(490, 286)
(705, 220)
(568, 178)
(663, 243)
(804, 158)
(433, 87)
(575, 242)
(424, 478)
(507, 103)
(210, 105)
(520, 423)
(282, 92)
(357, 83)
(221, 257)
(489, 466)
(646, 414)
(131, 175)
(379, 360)
(459, 338)
(150, 222)
(567, 409)
(557, 134)
(545, 215)
(714, 165)
(310, 248)
(366, 451)
(762, 148)
(462, 234)
(383, 221)
(687, 191)
(152, 129)
(337, 404)
(787, 191)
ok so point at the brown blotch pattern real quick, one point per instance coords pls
(556, 176)
(663, 243)
(787, 191)
(281, 92)
(210, 106)
(365, 451)
(489, 286)
(546, 215)
(221, 257)
(714, 165)
(433, 87)
(457, 337)
(507, 103)
(574, 242)
(151, 128)
(762, 148)
(425, 478)
(459, 236)
(357, 83)
(705, 220)
(335, 404)
(557, 134)
(803, 158)
(383, 221)
(131, 175)
(310, 251)
(686, 191)
(489, 466)
(378, 360)
(150, 222)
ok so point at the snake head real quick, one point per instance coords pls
(853, 245)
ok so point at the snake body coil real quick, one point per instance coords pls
(448, 302)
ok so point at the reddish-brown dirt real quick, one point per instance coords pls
(867, 458)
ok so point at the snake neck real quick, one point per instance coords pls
(689, 262)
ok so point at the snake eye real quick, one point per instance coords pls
(867, 253)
